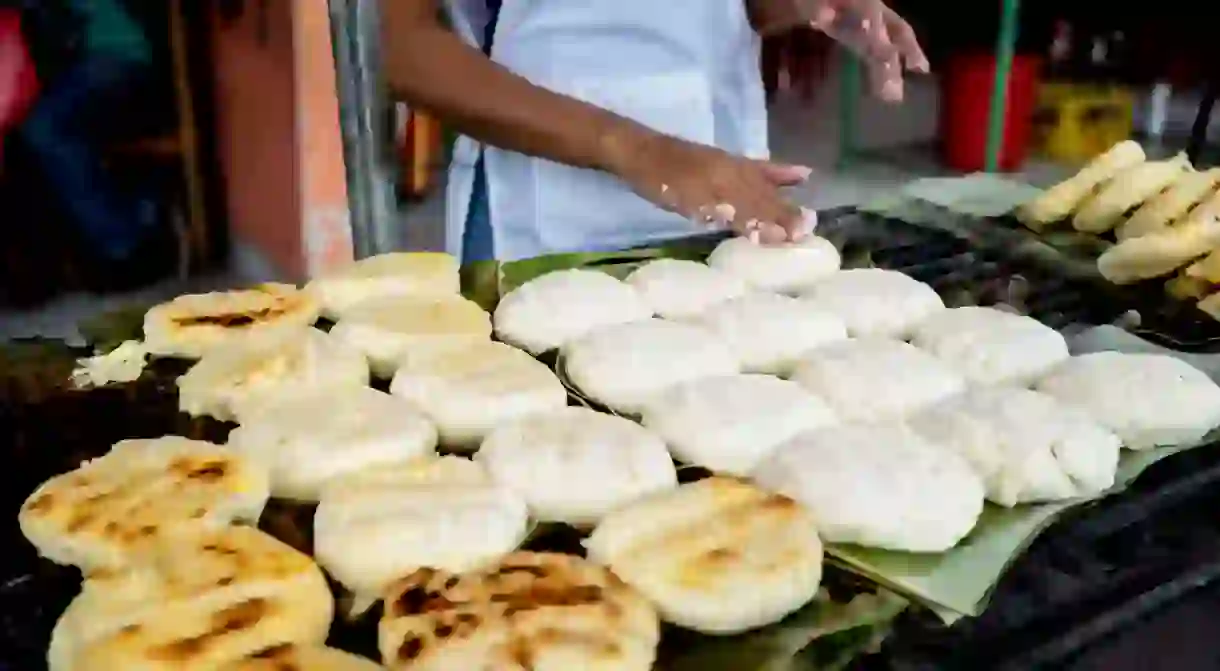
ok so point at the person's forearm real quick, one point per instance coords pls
(431, 67)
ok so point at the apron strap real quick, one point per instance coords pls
(493, 17)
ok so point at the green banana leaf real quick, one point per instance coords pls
(823, 636)
(959, 582)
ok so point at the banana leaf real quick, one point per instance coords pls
(959, 582)
(825, 635)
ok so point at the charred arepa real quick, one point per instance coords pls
(98, 515)
(190, 326)
(546, 612)
(195, 603)
(719, 556)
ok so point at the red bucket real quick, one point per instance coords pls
(965, 109)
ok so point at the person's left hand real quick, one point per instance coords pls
(876, 33)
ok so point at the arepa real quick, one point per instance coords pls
(1059, 201)
(1163, 252)
(1149, 400)
(991, 346)
(674, 288)
(874, 379)
(392, 329)
(575, 465)
(728, 423)
(393, 274)
(786, 268)
(302, 658)
(195, 603)
(544, 612)
(232, 382)
(306, 441)
(768, 333)
(873, 302)
(719, 556)
(468, 391)
(373, 527)
(96, 516)
(192, 325)
(550, 311)
(622, 366)
(1026, 446)
(1167, 207)
(1128, 189)
(878, 485)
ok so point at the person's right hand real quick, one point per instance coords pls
(715, 188)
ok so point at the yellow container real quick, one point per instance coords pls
(1075, 122)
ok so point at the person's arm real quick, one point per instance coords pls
(432, 67)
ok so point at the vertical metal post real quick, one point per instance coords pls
(1005, 46)
(849, 107)
(364, 121)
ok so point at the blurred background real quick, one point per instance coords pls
(239, 140)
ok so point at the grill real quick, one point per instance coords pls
(1100, 570)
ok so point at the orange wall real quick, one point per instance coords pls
(280, 148)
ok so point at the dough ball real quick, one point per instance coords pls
(728, 424)
(557, 308)
(195, 602)
(558, 612)
(623, 366)
(768, 332)
(674, 289)
(469, 391)
(383, 275)
(1027, 446)
(392, 329)
(876, 302)
(192, 325)
(990, 346)
(375, 527)
(233, 382)
(1149, 400)
(719, 556)
(306, 441)
(786, 268)
(575, 465)
(871, 379)
(96, 516)
(878, 485)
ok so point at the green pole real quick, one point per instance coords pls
(849, 107)
(999, 92)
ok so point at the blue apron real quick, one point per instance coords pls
(477, 239)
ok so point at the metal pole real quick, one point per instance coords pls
(376, 122)
(354, 144)
(1005, 47)
(849, 107)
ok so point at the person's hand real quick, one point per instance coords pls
(883, 39)
(715, 188)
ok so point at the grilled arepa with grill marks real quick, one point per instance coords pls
(97, 515)
(189, 326)
(719, 556)
(538, 611)
(195, 603)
